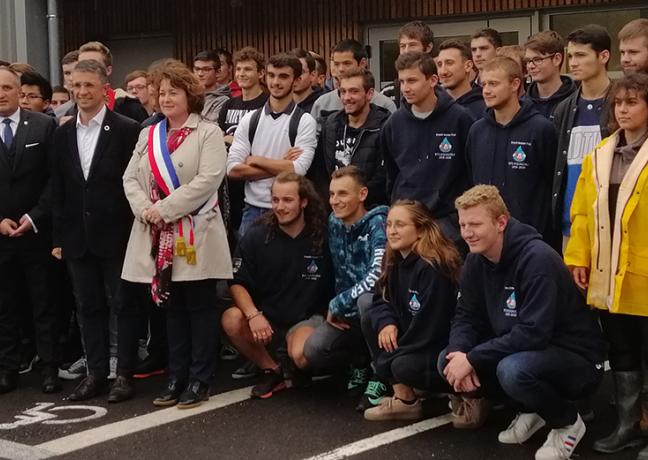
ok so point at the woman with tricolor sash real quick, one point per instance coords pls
(178, 243)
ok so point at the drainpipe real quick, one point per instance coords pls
(53, 42)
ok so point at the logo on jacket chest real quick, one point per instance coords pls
(510, 306)
(311, 270)
(519, 156)
(446, 148)
(414, 305)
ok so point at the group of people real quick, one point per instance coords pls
(471, 231)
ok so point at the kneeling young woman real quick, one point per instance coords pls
(413, 305)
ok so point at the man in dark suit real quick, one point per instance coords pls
(25, 232)
(92, 218)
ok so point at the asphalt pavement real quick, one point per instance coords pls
(318, 422)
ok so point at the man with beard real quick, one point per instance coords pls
(633, 45)
(279, 137)
(283, 281)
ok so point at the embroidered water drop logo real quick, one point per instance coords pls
(445, 146)
(510, 302)
(312, 268)
(519, 154)
(414, 304)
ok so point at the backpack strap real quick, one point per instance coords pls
(254, 123)
(293, 125)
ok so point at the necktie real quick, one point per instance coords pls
(8, 133)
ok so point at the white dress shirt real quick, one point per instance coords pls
(87, 137)
(15, 120)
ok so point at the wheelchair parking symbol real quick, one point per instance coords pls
(48, 414)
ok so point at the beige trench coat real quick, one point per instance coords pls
(200, 165)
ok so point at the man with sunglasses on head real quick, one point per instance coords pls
(543, 57)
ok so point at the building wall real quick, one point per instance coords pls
(269, 25)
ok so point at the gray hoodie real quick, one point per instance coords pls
(214, 101)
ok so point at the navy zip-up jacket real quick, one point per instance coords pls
(517, 158)
(527, 301)
(547, 105)
(425, 158)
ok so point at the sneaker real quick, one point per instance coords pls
(394, 409)
(374, 393)
(521, 429)
(358, 380)
(28, 358)
(149, 367)
(112, 375)
(246, 371)
(471, 414)
(228, 353)
(271, 383)
(74, 371)
(561, 442)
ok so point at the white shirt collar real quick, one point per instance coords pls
(96, 120)
(15, 117)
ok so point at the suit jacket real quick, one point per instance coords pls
(93, 216)
(25, 186)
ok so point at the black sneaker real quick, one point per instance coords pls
(28, 358)
(148, 367)
(228, 353)
(271, 383)
(358, 380)
(246, 371)
(194, 395)
(376, 390)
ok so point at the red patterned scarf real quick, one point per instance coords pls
(163, 237)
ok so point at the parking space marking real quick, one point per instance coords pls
(16, 451)
(93, 436)
(382, 439)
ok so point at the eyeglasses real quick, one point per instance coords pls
(135, 87)
(203, 69)
(536, 61)
(29, 97)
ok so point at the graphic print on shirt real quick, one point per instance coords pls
(414, 305)
(445, 146)
(344, 147)
(510, 307)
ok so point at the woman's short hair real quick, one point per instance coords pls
(637, 83)
(181, 77)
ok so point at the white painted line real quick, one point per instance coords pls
(382, 439)
(15, 451)
(115, 430)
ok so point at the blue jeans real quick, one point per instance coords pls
(542, 381)
(250, 214)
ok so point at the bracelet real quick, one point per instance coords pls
(254, 315)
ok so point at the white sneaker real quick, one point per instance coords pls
(74, 371)
(561, 442)
(113, 368)
(521, 429)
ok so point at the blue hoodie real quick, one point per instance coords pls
(424, 158)
(519, 159)
(526, 301)
(357, 253)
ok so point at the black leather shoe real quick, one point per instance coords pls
(121, 390)
(8, 381)
(170, 395)
(51, 382)
(90, 387)
(194, 395)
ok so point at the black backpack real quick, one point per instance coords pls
(293, 125)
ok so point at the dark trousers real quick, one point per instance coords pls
(35, 265)
(97, 282)
(628, 338)
(193, 328)
(137, 312)
(330, 347)
(546, 382)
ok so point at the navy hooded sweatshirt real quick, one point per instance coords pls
(547, 105)
(473, 101)
(519, 159)
(424, 158)
(421, 303)
(527, 301)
